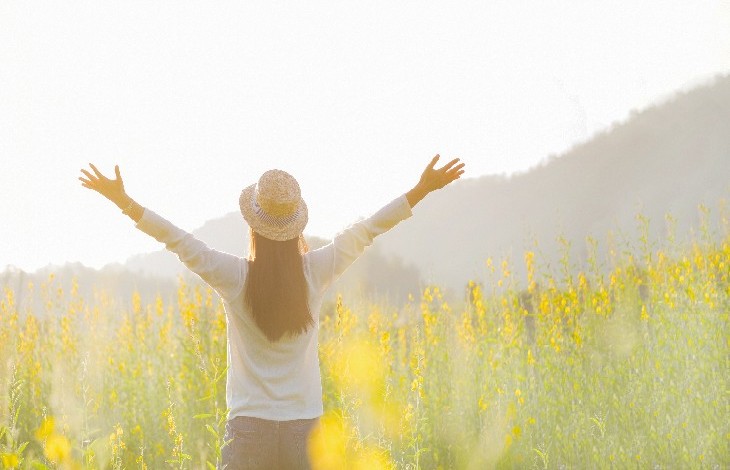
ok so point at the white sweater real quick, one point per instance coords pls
(281, 380)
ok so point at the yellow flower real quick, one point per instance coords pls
(483, 404)
(328, 443)
(9, 460)
(46, 429)
(371, 459)
(530, 357)
(57, 449)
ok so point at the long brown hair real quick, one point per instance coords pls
(276, 290)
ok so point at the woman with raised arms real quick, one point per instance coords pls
(272, 301)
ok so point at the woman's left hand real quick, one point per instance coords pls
(110, 189)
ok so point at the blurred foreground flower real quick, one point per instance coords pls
(327, 443)
(56, 447)
(9, 460)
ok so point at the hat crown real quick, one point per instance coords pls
(278, 193)
(273, 207)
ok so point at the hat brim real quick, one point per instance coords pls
(270, 227)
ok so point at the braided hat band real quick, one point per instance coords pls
(274, 207)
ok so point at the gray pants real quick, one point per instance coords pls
(263, 444)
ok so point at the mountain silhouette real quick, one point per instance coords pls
(665, 160)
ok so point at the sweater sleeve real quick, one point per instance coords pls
(330, 261)
(221, 271)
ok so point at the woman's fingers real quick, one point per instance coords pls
(88, 184)
(449, 165)
(89, 176)
(453, 173)
(457, 168)
(433, 162)
(116, 172)
(98, 173)
(444, 175)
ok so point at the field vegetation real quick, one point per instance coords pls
(614, 363)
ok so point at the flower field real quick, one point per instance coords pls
(618, 364)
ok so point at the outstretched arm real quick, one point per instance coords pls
(222, 271)
(112, 190)
(433, 179)
(330, 261)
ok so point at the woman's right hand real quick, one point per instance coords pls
(433, 179)
(110, 189)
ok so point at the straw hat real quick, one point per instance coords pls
(274, 207)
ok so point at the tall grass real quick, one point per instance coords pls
(597, 368)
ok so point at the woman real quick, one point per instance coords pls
(272, 301)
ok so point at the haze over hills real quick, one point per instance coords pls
(666, 159)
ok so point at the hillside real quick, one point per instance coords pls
(666, 159)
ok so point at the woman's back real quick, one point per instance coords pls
(273, 387)
(280, 380)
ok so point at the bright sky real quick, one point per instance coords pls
(195, 99)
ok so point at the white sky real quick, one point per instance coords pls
(194, 100)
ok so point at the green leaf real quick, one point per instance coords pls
(203, 416)
(22, 447)
(212, 431)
